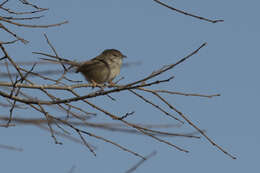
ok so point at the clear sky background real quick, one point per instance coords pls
(156, 36)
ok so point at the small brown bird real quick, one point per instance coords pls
(101, 69)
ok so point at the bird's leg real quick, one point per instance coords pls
(111, 83)
(94, 84)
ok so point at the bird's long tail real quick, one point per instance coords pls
(62, 61)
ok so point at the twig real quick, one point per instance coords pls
(32, 26)
(13, 34)
(140, 129)
(74, 99)
(188, 14)
(25, 2)
(194, 126)
(156, 106)
(179, 93)
(132, 169)
(168, 67)
(85, 143)
(99, 137)
(22, 18)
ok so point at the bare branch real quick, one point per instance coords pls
(188, 14)
(194, 126)
(17, 92)
(156, 106)
(132, 169)
(179, 93)
(100, 138)
(32, 26)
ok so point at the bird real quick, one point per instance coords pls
(100, 69)
(103, 68)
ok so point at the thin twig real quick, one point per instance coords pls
(194, 126)
(188, 14)
(132, 169)
(180, 93)
(156, 106)
(32, 26)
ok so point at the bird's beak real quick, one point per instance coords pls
(124, 56)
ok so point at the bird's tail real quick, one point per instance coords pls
(62, 61)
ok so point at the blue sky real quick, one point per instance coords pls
(155, 36)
